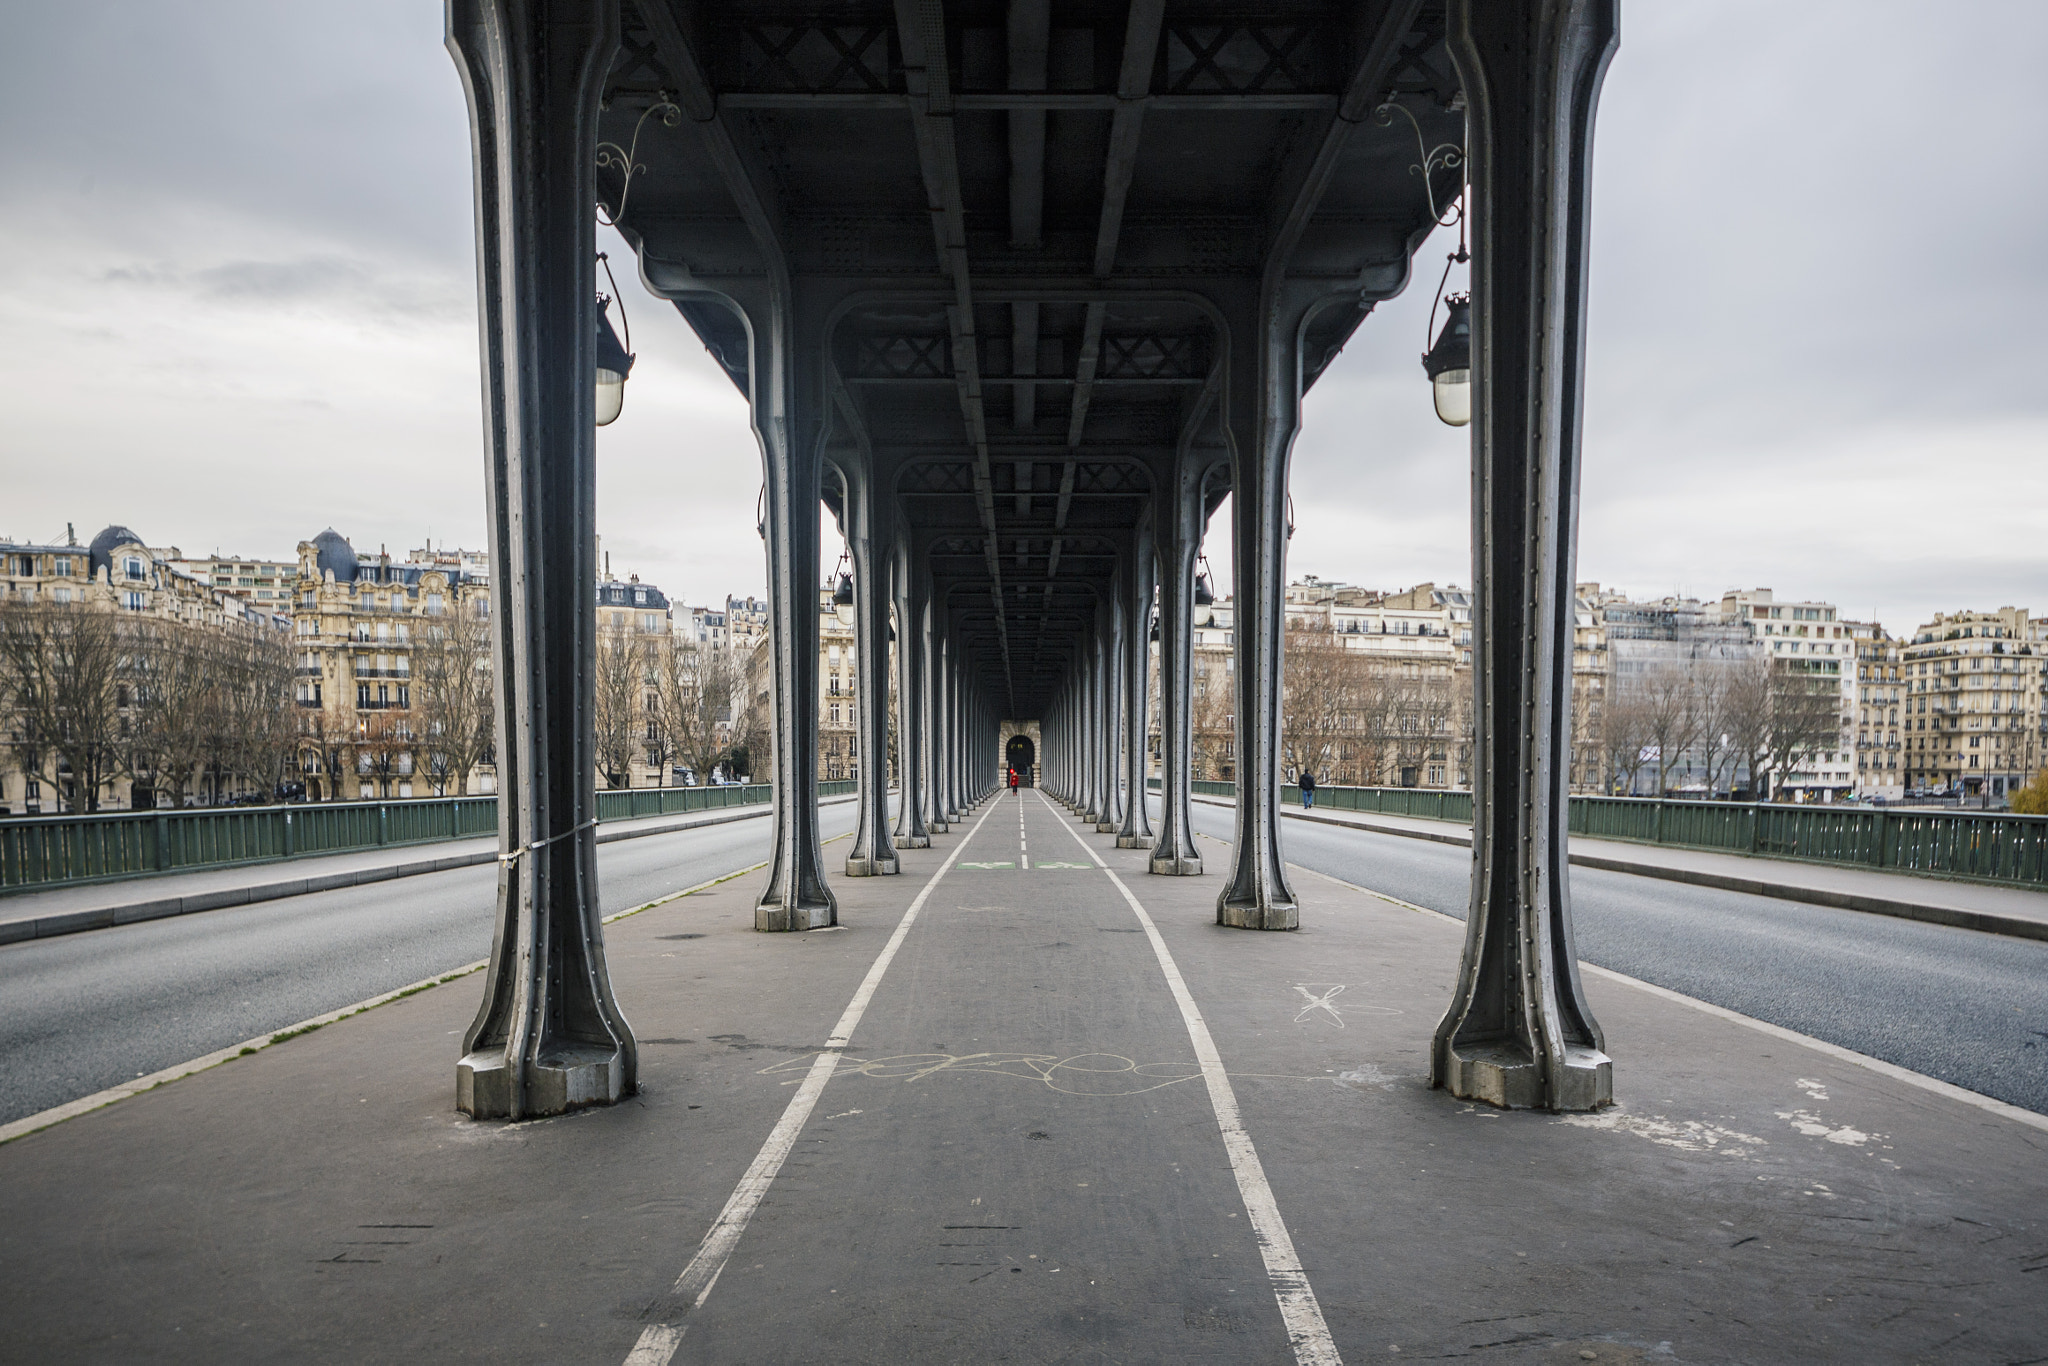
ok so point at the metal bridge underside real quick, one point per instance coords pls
(1015, 223)
(1021, 289)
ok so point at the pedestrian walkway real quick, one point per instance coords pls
(1968, 905)
(1030, 1104)
(72, 908)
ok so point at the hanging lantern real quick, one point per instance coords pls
(1449, 363)
(842, 596)
(613, 365)
(1204, 596)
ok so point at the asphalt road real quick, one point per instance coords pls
(1966, 1007)
(83, 1012)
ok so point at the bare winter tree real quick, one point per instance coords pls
(1625, 733)
(452, 692)
(174, 669)
(258, 706)
(1670, 716)
(61, 668)
(1210, 716)
(700, 688)
(1317, 696)
(1805, 718)
(1746, 699)
(621, 663)
(1713, 689)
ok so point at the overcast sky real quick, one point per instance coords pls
(237, 305)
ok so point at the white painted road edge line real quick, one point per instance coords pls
(1306, 1331)
(658, 1341)
(43, 1119)
(1947, 1090)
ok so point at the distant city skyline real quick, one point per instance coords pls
(1812, 364)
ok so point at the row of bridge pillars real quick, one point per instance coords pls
(549, 1035)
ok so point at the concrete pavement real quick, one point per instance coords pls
(1018, 1155)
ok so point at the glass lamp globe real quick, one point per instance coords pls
(611, 396)
(613, 365)
(1453, 392)
(1449, 363)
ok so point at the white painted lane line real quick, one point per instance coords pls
(1306, 1331)
(1023, 845)
(1949, 1090)
(658, 1341)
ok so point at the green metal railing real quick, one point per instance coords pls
(45, 851)
(1972, 846)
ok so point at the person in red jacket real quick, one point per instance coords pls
(1013, 778)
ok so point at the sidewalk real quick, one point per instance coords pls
(1017, 1157)
(1967, 905)
(99, 905)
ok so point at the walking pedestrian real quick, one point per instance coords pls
(1308, 789)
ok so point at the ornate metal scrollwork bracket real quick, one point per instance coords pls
(624, 160)
(1445, 156)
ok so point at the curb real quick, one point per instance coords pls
(134, 912)
(1986, 922)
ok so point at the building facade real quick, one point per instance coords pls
(1878, 701)
(1807, 640)
(1972, 686)
(391, 673)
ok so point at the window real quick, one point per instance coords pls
(404, 694)
(64, 565)
(362, 694)
(133, 566)
(131, 600)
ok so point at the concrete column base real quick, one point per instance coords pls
(1166, 865)
(781, 919)
(569, 1078)
(1134, 841)
(938, 828)
(1252, 916)
(1105, 827)
(1503, 1074)
(871, 867)
(913, 841)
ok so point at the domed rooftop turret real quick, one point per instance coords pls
(334, 555)
(101, 553)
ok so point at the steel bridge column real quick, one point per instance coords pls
(1264, 413)
(1136, 832)
(908, 589)
(1179, 520)
(1113, 710)
(1091, 726)
(1518, 1032)
(949, 727)
(549, 1037)
(870, 526)
(796, 897)
(931, 719)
